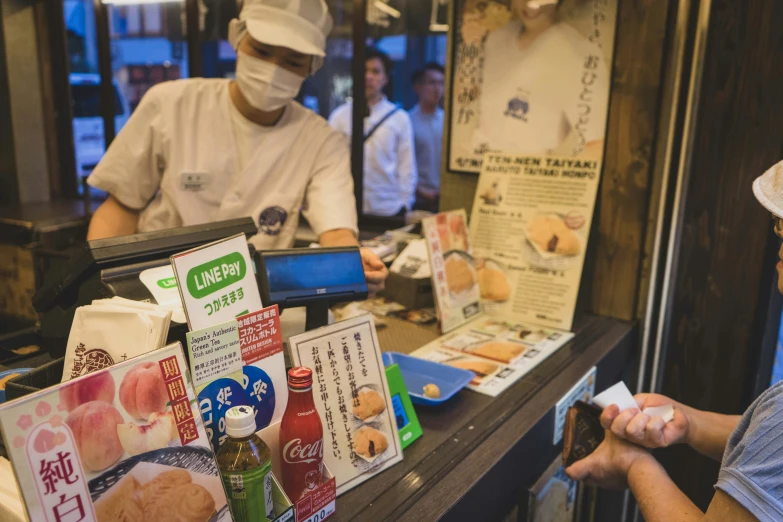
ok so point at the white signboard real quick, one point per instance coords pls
(217, 282)
(352, 398)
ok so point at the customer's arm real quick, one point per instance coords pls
(132, 169)
(113, 219)
(330, 207)
(704, 431)
(617, 464)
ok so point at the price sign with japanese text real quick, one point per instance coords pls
(217, 282)
(239, 363)
(352, 397)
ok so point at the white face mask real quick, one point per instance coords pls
(266, 86)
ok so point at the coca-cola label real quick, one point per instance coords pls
(297, 453)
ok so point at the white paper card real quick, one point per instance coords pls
(346, 361)
(499, 352)
(414, 261)
(664, 412)
(162, 284)
(618, 394)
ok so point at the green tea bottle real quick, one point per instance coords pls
(245, 463)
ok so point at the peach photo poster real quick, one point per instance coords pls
(124, 441)
(529, 229)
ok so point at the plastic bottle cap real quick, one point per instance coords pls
(240, 421)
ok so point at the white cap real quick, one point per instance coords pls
(240, 421)
(301, 25)
(768, 189)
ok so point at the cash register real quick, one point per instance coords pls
(310, 278)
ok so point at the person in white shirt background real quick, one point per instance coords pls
(427, 120)
(532, 82)
(202, 150)
(390, 174)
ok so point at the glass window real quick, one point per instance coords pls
(147, 47)
(217, 56)
(84, 85)
(413, 36)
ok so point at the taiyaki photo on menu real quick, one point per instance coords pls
(550, 234)
(481, 369)
(502, 351)
(170, 496)
(371, 403)
(459, 274)
(369, 442)
(493, 283)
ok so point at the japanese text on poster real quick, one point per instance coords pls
(352, 398)
(530, 224)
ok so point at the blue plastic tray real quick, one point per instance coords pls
(418, 372)
(9, 372)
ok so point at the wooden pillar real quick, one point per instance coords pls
(624, 195)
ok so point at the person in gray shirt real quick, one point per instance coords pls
(749, 447)
(427, 119)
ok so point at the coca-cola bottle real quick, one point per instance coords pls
(301, 437)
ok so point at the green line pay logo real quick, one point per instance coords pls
(168, 282)
(216, 275)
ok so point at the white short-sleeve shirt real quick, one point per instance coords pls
(390, 173)
(177, 160)
(531, 98)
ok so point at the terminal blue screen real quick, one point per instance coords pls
(399, 412)
(314, 275)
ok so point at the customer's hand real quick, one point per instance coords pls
(375, 272)
(607, 467)
(650, 432)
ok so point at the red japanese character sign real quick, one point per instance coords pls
(58, 474)
(260, 335)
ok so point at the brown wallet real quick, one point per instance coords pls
(582, 432)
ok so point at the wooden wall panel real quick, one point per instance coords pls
(621, 214)
(725, 266)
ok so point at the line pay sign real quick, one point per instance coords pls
(217, 282)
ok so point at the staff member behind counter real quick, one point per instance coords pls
(202, 150)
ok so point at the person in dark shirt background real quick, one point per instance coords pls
(427, 119)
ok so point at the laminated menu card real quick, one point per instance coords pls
(529, 229)
(122, 443)
(352, 397)
(498, 351)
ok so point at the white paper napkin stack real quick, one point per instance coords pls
(110, 331)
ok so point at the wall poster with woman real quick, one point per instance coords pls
(529, 78)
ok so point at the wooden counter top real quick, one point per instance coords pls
(478, 451)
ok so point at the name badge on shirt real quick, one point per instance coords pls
(194, 181)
